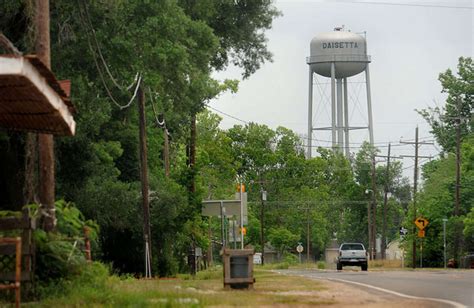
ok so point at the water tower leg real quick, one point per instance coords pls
(346, 118)
(310, 113)
(340, 125)
(333, 105)
(369, 105)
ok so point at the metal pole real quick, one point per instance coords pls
(444, 241)
(346, 118)
(421, 253)
(241, 218)
(369, 104)
(262, 211)
(369, 222)
(308, 237)
(310, 113)
(333, 105)
(340, 125)
(222, 226)
(234, 222)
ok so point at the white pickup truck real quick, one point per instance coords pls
(352, 254)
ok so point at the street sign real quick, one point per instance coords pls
(232, 207)
(403, 231)
(421, 233)
(421, 223)
(299, 248)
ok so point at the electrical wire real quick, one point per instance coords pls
(230, 116)
(137, 79)
(400, 4)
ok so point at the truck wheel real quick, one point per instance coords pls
(339, 266)
(364, 267)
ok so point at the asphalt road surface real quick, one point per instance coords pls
(452, 287)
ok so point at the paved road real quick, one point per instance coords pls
(452, 285)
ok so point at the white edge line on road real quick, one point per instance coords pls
(445, 301)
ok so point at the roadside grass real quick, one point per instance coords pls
(385, 264)
(205, 289)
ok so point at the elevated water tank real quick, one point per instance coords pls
(346, 49)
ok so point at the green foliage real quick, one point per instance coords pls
(469, 229)
(459, 105)
(60, 253)
(437, 199)
(290, 258)
(282, 239)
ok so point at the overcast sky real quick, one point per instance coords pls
(410, 44)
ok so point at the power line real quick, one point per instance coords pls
(137, 79)
(230, 116)
(404, 4)
(380, 144)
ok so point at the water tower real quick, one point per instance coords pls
(338, 55)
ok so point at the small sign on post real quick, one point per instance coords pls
(299, 249)
(421, 233)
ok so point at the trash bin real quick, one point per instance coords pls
(238, 268)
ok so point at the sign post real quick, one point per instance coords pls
(421, 223)
(299, 249)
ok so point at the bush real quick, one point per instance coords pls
(59, 253)
(87, 285)
(321, 265)
(290, 258)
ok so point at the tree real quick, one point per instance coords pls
(240, 26)
(459, 105)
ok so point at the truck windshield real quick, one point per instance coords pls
(352, 247)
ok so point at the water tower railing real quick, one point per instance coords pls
(338, 58)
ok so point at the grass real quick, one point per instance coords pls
(385, 264)
(206, 289)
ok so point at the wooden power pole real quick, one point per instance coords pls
(415, 188)
(385, 200)
(457, 199)
(144, 180)
(45, 141)
(374, 213)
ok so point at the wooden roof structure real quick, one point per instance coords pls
(31, 99)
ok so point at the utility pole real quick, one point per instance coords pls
(457, 236)
(45, 141)
(374, 205)
(415, 188)
(385, 201)
(369, 231)
(144, 180)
